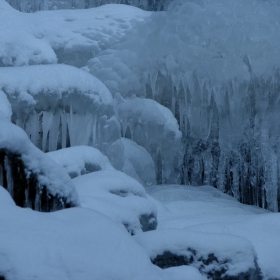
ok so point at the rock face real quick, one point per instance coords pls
(209, 265)
(24, 187)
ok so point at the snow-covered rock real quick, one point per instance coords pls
(216, 256)
(31, 177)
(119, 197)
(80, 160)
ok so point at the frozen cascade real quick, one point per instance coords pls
(220, 77)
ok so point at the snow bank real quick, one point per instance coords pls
(212, 254)
(132, 159)
(74, 243)
(119, 197)
(70, 37)
(14, 142)
(80, 160)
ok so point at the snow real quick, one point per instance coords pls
(13, 139)
(80, 160)
(117, 196)
(72, 244)
(65, 36)
(238, 252)
(54, 80)
(208, 211)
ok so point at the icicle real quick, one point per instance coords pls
(63, 118)
(54, 132)
(94, 131)
(153, 80)
(47, 122)
(33, 128)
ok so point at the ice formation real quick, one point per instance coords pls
(153, 127)
(132, 159)
(214, 64)
(59, 106)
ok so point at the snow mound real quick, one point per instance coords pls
(132, 159)
(16, 148)
(58, 105)
(153, 127)
(119, 197)
(215, 255)
(80, 160)
(73, 243)
(36, 39)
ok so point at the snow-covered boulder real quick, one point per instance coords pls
(215, 255)
(119, 197)
(80, 160)
(59, 105)
(134, 160)
(30, 176)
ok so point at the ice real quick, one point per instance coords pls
(132, 159)
(153, 127)
(215, 65)
(52, 103)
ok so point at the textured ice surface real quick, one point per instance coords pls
(153, 127)
(214, 64)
